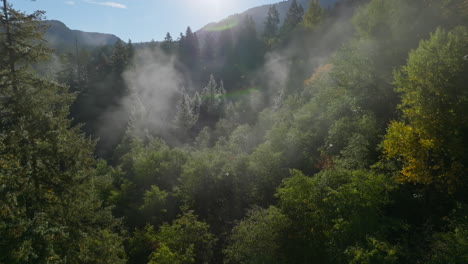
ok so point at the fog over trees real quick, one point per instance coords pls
(335, 135)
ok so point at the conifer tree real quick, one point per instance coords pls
(208, 53)
(168, 44)
(186, 117)
(51, 209)
(189, 49)
(119, 58)
(168, 37)
(212, 96)
(293, 18)
(74, 72)
(271, 23)
(130, 51)
(225, 44)
(313, 15)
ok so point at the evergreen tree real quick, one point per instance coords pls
(119, 58)
(186, 117)
(74, 72)
(247, 54)
(51, 207)
(212, 97)
(168, 37)
(168, 44)
(190, 50)
(225, 44)
(130, 51)
(293, 18)
(271, 23)
(208, 53)
(313, 16)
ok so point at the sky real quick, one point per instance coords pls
(138, 20)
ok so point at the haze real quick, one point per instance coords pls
(138, 20)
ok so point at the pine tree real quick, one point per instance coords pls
(212, 96)
(168, 37)
(208, 54)
(248, 52)
(130, 51)
(189, 49)
(197, 102)
(51, 210)
(225, 44)
(168, 44)
(271, 23)
(313, 16)
(186, 116)
(293, 18)
(74, 72)
(119, 58)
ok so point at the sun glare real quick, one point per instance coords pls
(215, 7)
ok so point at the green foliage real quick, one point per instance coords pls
(215, 183)
(189, 49)
(153, 164)
(272, 22)
(148, 174)
(251, 147)
(450, 247)
(429, 141)
(119, 58)
(313, 16)
(51, 207)
(293, 18)
(374, 252)
(266, 168)
(186, 116)
(257, 238)
(185, 241)
(248, 52)
(212, 97)
(332, 212)
(154, 203)
(141, 244)
(168, 45)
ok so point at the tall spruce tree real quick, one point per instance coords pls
(313, 15)
(293, 18)
(186, 116)
(50, 207)
(271, 23)
(168, 44)
(190, 50)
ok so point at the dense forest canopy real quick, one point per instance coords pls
(338, 134)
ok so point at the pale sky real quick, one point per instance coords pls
(139, 20)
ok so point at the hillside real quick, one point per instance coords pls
(337, 137)
(61, 38)
(259, 14)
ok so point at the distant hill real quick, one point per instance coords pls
(62, 38)
(259, 14)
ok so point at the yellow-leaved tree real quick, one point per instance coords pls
(430, 140)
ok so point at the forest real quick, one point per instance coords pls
(339, 135)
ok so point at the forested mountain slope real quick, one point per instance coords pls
(258, 15)
(336, 137)
(61, 38)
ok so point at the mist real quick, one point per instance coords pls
(154, 84)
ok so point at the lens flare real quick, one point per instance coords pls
(223, 25)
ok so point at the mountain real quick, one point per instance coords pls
(62, 38)
(258, 14)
